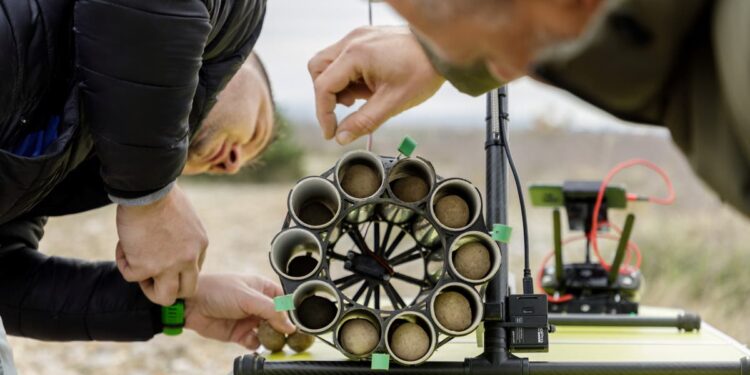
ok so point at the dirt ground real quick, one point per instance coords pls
(695, 250)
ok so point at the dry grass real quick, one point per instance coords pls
(695, 251)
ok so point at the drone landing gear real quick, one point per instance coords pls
(590, 288)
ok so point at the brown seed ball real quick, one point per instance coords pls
(301, 265)
(358, 336)
(270, 338)
(410, 189)
(299, 342)
(453, 311)
(360, 181)
(316, 312)
(452, 211)
(315, 213)
(410, 342)
(472, 260)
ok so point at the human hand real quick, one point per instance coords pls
(161, 246)
(384, 65)
(230, 307)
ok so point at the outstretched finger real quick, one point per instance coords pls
(367, 118)
(268, 287)
(335, 79)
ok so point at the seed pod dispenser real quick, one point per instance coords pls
(373, 257)
(344, 259)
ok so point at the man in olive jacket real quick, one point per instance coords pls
(676, 63)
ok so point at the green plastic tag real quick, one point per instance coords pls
(480, 335)
(284, 303)
(380, 361)
(501, 233)
(408, 144)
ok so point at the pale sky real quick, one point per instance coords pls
(295, 30)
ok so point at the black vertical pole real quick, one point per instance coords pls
(495, 336)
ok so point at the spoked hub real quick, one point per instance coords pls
(379, 264)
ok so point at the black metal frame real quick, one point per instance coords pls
(369, 286)
(496, 358)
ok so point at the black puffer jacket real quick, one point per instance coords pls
(129, 78)
(54, 298)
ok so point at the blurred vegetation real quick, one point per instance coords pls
(699, 263)
(281, 162)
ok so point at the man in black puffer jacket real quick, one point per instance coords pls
(64, 299)
(124, 82)
(101, 100)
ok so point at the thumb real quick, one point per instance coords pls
(368, 118)
(262, 306)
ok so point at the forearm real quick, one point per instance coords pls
(52, 298)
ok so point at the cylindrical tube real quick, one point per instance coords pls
(317, 307)
(411, 180)
(394, 341)
(475, 304)
(359, 186)
(462, 243)
(342, 329)
(425, 233)
(296, 254)
(360, 175)
(314, 203)
(463, 204)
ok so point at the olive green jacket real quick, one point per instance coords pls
(683, 64)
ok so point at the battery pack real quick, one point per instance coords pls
(528, 323)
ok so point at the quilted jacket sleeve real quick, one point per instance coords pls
(138, 64)
(237, 27)
(62, 299)
(150, 71)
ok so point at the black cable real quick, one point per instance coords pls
(528, 281)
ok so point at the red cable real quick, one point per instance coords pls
(600, 197)
(632, 247)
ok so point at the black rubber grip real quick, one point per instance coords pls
(687, 322)
(256, 365)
